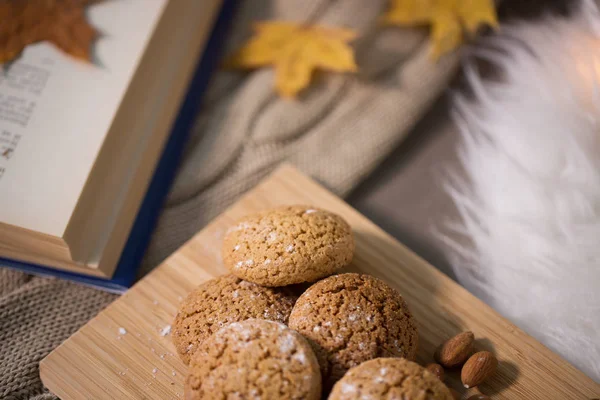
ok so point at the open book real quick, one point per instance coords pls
(80, 142)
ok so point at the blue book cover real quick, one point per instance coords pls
(125, 273)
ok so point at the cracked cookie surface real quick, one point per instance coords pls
(224, 300)
(351, 318)
(288, 245)
(387, 379)
(254, 359)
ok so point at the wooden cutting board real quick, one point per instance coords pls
(126, 351)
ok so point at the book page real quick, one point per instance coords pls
(55, 112)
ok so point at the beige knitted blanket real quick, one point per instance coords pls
(337, 132)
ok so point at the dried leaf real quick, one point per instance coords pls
(61, 22)
(446, 17)
(296, 51)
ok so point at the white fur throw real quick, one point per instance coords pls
(530, 205)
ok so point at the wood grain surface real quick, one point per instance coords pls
(126, 351)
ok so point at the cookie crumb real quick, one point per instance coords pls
(122, 331)
(165, 331)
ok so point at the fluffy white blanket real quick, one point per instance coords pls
(531, 201)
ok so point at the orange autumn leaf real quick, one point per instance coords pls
(61, 22)
(447, 19)
(295, 51)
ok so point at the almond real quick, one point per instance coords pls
(437, 370)
(455, 394)
(455, 350)
(478, 368)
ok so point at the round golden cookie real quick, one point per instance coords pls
(387, 379)
(221, 301)
(288, 245)
(254, 359)
(352, 318)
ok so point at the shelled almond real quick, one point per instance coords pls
(437, 370)
(479, 367)
(476, 368)
(456, 350)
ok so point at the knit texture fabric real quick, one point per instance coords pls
(337, 131)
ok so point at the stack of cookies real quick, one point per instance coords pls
(248, 335)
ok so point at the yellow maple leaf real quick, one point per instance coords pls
(446, 17)
(295, 51)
